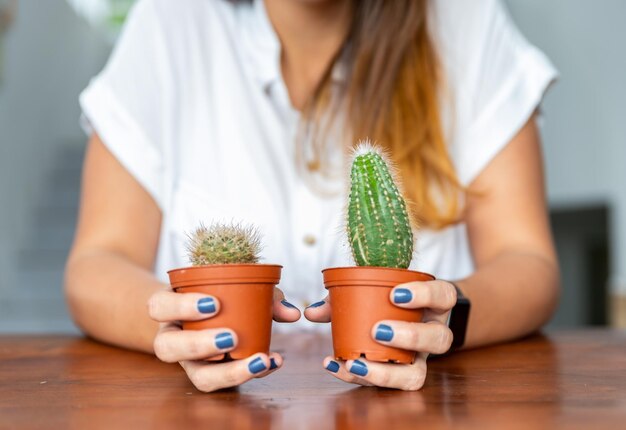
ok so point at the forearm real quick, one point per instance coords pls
(107, 295)
(511, 296)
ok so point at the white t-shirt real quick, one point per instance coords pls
(193, 104)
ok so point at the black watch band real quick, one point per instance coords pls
(458, 318)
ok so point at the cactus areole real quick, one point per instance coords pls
(378, 223)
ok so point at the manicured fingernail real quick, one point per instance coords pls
(402, 295)
(317, 304)
(332, 366)
(273, 364)
(256, 366)
(358, 368)
(206, 305)
(224, 340)
(286, 304)
(384, 332)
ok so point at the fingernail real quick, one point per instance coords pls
(287, 304)
(384, 332)
(332, 366)
(256, 366)
(402, 295)
(273, 364)
(206, 305)
(316, 304)
(358, 368)
(224, 340)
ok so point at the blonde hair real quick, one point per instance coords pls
(391, 96)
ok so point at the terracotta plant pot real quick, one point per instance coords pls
(359, 298)
(245, 293)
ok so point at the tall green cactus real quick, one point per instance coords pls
(224, 244)
(379, 227)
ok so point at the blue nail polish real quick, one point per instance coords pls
(317, 304)
(402, 295)
(358, 368)
(224, 340)
(333, 366)
(384, 332)
(256, 366)
(273, 364)
(286, 304)
(206, 305)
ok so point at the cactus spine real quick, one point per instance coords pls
(224, 244)
(379, 227)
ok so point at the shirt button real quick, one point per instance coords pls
(309, 240)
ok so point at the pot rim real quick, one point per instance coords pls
(214, 266)
(225, 274)
(381, 268)
(386, 277)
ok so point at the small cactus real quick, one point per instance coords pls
(224, 244)
(378, 224)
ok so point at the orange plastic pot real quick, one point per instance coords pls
(245, 293)
(359, 298)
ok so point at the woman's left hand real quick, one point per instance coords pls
(431, 336)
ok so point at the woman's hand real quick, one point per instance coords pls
(431, 336)
(191, 348)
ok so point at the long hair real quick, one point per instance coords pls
(391, 95)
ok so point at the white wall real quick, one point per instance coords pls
(50, 54)
(585, 129)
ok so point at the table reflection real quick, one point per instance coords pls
(375, 408)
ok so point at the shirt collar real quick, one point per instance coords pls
(261, 42)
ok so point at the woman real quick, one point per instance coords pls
(213, 109)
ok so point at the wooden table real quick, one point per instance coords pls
(558, 380)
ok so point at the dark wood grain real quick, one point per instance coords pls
(558, 380)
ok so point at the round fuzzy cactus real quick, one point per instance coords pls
(224, 244)
(378, 224)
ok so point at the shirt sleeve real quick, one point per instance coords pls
(497, 78)
(124, 103)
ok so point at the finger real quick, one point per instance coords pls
(283, 310)
(338, 370)
(210, 377)
(172, 344)
(318, 311)
(435, 295)
(432, 315)
(409, 377)
(432, 337)
(165, 306)
(276, 362)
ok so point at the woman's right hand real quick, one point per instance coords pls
(191, 348)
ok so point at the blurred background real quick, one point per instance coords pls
(49, 49)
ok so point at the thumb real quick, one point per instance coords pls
(283, 310)
(318, 311)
